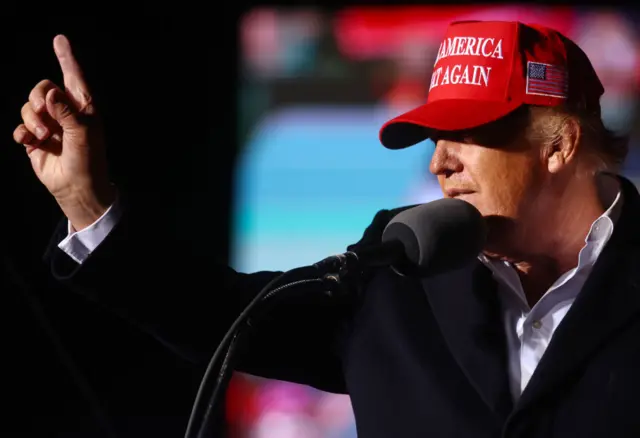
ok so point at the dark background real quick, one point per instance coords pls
(165, 83)
(170, 117)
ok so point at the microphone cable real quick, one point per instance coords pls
(231, 339)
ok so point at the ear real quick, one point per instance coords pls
(564, 147)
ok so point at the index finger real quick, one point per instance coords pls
(72, 72)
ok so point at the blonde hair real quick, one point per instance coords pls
(600, 147)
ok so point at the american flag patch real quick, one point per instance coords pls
(546, 80)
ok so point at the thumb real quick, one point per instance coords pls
(61, 110)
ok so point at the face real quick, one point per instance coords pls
(497, 169)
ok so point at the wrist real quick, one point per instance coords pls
(84, 207)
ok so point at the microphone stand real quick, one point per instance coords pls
(330, 272)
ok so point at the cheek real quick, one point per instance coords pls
(504, 180)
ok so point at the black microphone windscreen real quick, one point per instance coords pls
(438, 236)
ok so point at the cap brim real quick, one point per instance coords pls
(444, 115)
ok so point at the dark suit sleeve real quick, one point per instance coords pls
(188, 303)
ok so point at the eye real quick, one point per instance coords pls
(467, 138)
(453, 136)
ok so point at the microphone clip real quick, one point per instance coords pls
(341, 273)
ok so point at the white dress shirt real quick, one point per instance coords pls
(529, 330)
(80, 244)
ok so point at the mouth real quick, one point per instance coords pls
(454, 193)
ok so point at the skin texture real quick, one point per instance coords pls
(539, 198)
(62, 135)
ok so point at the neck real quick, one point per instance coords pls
(550, 242)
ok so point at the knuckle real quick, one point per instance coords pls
(18, 133)
(30, 118)
(40, 90)
(22, 135)
(88, 106)
(45, 84)
(65, 111)
(25, 111)
(89, 109)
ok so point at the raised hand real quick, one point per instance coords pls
(62, 135)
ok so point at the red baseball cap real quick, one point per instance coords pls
(484, 70)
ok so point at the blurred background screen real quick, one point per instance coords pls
(315, 88)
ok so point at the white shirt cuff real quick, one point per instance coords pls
(80, 244)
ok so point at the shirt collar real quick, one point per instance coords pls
(610, 194)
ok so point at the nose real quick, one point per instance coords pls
(445, 159)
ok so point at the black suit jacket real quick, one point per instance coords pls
(72, 370)
(419, 357)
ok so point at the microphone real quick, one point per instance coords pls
(424, 240)
(427, 239)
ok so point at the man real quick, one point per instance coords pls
(539, 337)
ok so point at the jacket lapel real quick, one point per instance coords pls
(610, 297)
(466, 306)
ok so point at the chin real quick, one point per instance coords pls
(468, 197)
